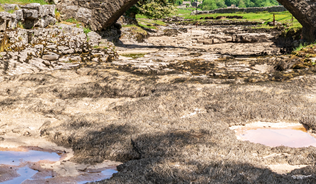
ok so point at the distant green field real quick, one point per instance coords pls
(22, 1)
(282, 17)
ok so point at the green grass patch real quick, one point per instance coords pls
(86, 30)
(72, 20)
(22, 2)
(282, 17)
(148, 23)
(299, 48)
(136, 29)
(147, 26)
(134, 56)
(11, 11)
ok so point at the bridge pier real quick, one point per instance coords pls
(305, 12)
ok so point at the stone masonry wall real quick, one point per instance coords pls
(29, 16)
(59, 47)
(246, 10)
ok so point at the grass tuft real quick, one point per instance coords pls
(22, 2)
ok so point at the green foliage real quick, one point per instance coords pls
(57, 14)
(86, 30)
(153, 8)
(299, 48)
(22, 1)
(72, 20)
(214, 4)
(178, 2)
(134, 56)
(11, 11)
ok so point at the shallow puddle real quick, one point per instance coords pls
(13, 157)
(104, 174)
(18, 165)
(275, 134)
(25, 174)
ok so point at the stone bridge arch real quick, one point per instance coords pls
(98, 14)
(305, 12)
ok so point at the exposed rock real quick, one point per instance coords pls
(170, 32)
(252, 37)
(30, 15)
(50, 57)
(49, 49)
(215, 39)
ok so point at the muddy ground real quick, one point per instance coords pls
(166, 115)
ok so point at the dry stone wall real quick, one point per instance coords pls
(29, 16)
(246, 10)
(59, 47)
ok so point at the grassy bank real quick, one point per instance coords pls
(22, 1)
(285, 18)
(282, 17)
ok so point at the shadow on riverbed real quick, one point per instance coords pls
(175, 156)
(221, 171)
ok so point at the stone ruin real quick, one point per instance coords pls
(29, 16)
(34, 46)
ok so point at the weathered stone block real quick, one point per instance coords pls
(46, 10)
(19, 15)
(252, 37)
(30, 14)
(51, 57)
(7, 21)
(84, 15)
(33, 6)
(8, 7)
(3, 24)
(44, 22)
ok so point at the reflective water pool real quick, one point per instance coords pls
(274, 134)
(18, 157)
(22, 165)
(25, 174)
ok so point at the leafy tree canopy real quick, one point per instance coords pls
(154, 8)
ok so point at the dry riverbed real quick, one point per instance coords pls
(166, 114)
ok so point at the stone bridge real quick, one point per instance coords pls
(100, 14)
(305, 12)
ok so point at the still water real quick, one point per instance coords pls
(292, 135)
